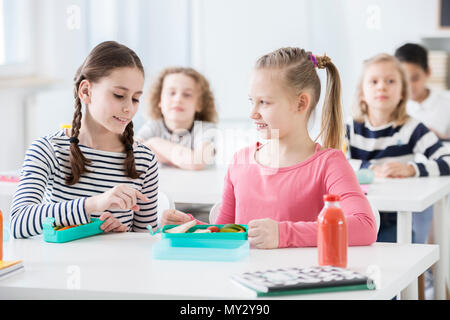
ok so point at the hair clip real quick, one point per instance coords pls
(313, 60)
(74, 140)
(128, 147)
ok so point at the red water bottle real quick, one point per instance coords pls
(332, 238)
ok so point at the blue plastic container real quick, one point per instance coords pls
(214, 246)
(195, 249)
(365, 176)
(78, 232)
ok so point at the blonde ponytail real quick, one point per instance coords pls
(332, 124)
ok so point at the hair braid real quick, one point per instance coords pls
(129, 163)
(77, 160)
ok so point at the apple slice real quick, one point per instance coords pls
(202, 231)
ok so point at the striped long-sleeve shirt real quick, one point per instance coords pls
(42, 191)
(378, 145)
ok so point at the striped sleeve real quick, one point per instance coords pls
(29, 209)
(425, 142)
(347, 141)
(350, 150)
(147, 214)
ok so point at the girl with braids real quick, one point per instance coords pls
(183, 115)
(95, 169)
(277, 188)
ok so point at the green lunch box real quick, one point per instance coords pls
(190, 235)
(214, 246)
(78, 232)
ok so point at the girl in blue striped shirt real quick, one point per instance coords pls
(95, 169)
(389, 142)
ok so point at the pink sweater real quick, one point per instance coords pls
(293, 196)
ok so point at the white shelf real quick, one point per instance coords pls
(27, 82)
(441, 36)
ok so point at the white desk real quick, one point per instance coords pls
(417, 194)
(8, 188)
(401, 195)
(119, 266)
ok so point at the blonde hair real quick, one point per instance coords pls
(360, 108)
(299, 73)
(208, 109)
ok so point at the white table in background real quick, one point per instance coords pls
(415, 195)
(197, 187)
(8, 188)
(120, 266)
(183, 186)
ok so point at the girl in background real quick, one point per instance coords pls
(386, 140)
(181, 131)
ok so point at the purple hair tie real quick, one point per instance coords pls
(313, 60)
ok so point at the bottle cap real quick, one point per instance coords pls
(331, 198)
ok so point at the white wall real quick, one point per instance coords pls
(156, 30)
(228, 37)
(222, 39)
(12, 131)
(60, 48)
(351, 31)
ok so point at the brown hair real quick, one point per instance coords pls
(299, 73)
(208, 110)
(360, 107)
(100, 62)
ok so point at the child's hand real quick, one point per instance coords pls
(399, 170)
(121, 197)
(154, 144)
(111, 224)
(377, 171)
(263, 233)
(394, 170)
(173, 216)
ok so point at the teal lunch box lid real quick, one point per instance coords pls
(365, 176)
(78, 232)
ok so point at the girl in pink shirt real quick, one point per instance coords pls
(277, 188)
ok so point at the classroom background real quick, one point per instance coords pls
(43, 42)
